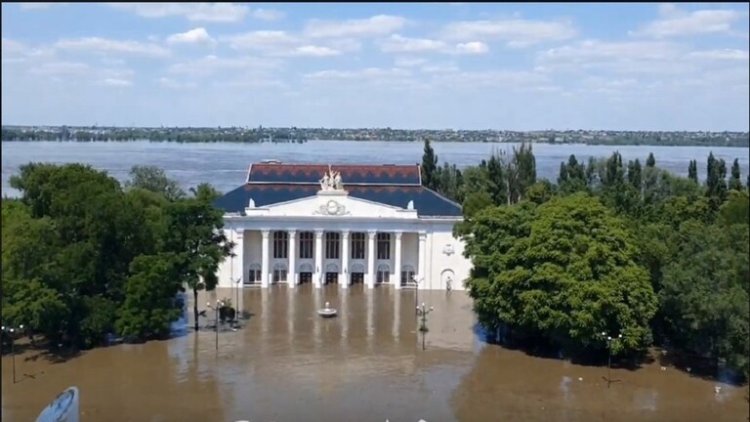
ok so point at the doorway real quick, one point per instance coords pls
(332, 278)
(305, 278)
(358, 278)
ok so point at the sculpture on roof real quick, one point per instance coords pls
(331, 181)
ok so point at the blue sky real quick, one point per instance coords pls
(444, 65)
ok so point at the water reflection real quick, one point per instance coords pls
(288, 364)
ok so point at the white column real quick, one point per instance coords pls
(397, 262)
(265, 249)
(344, 274)
(318, 275)
(371, 258)
(422, 276)
(238, 261)
(291, 275)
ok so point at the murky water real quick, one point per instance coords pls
(288, 364)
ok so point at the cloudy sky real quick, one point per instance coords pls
(449, 65)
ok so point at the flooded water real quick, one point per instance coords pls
(367, 364)
(225, 165)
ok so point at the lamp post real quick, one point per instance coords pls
(422, 311)
(208, 304)
(416, 295)
(609, 340)
(237, 301)
(11, 332)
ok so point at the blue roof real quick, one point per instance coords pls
(426, 201)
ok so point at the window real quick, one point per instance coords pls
(332, 245)
(279, 275)
(254, 275)
(306, 245)
(407, 275)
(280, 244)
(358, 246)
(384, 246)
(384, 274)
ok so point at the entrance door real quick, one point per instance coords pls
(358, 278)
(305, 278)
(332, 278)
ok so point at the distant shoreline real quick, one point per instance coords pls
(437, 141)
(302, 135)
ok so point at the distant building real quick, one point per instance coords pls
(341, 224)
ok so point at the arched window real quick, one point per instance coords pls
(407, 274)
(384, 273)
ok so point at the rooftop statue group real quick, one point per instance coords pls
(331, 181)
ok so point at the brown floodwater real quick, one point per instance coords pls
(288, 364)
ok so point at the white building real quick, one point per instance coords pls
(370, 224)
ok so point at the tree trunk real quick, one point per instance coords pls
(195, 307)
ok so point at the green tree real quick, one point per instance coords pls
(196, 237)
(429, 166)
(735, 181)
(152, 178)
(693, 171)
(634, 174)
(704, 298)
(563, 272)
(149, 306)
(651, 161)
(716, 185)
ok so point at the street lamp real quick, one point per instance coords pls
(208, 305)
(610, 339)
(422, 311)
(416, 295)
(237, 300)
(11, 332)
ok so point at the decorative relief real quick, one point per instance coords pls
(332, 208)
(448, 249)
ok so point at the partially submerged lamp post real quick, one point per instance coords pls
(416, 295)
(11, 332)
(218, 305)
(610, 339)
(422, 311)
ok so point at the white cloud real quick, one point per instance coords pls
(371, 73)
(104, 45)
(409, 61)
(268, 14)
(725, 54)
(491, 78)
(116, 82)
(398, 44)
(593, 50)
(61, 69)
(196, 12)
(193, 36)
(173, 84)
(262, 40)
(675, 23)
(314, 51)
(374, 26)
(473, 47)
(211, 64)
(515, 32)
(12, 47)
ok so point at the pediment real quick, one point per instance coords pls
(332, 205)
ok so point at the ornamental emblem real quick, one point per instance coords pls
(332, 208)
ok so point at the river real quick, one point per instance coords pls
(225, 165)
(288, 364)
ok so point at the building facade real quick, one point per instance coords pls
(374, 225)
